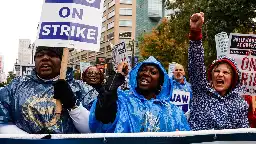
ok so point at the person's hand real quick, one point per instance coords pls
(196, 21)
(64, 93)
(122, 68)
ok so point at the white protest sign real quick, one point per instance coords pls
(171, 68)
(119, 54)
(26, 70)
(243, 50)
(222, 42)
(71, 23)
(181, 99)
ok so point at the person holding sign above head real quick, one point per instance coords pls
(144, 108)
(180, 89)
(216, 103)
(93, 78)
(28, 103)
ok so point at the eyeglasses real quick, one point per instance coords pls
(92, 73)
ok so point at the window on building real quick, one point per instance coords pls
(125, 23)
(103, 29)
(111, 25)
(125, 35)
(125, 11)
(104, 8)
(126, 1)
(104, 18)
(111, 14)
(110, 4)
(110, 36)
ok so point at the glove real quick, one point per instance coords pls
(64, 93)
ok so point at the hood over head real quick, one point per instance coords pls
(231, 62)
(164, 92)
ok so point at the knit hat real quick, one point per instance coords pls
(232, 64)
(57, 50)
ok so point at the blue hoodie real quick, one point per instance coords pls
(28, 103)
(137, 114)
(181, 94)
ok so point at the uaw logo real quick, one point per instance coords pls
(40, 111)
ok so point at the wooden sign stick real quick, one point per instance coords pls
(253, 104)
(63, 71)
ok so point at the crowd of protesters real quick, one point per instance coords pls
(154, 101)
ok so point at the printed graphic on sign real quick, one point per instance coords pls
(71, 23)
(26, 70)
(181, 99)
(221, 40)
(171, 69)
(119, 54)
(243, 50)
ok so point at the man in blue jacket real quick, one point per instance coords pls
(180, 90)
(28, 103)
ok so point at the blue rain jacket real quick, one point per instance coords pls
(28, 103)
(137, 114)
(181, 94)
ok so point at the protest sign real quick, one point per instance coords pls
(26, 70)
(171, 68)
(119, 54)
(181, 99)
(221, 40)
(71, 24)
(243, 50)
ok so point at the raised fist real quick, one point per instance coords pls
(122, 68)
(196, 21)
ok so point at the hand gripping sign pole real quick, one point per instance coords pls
(63, 70)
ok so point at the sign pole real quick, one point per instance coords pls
(63, 70)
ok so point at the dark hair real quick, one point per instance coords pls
(161, 75)
(85, 72)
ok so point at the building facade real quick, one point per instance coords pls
(24, 52)
(118, 25)
(122, 21)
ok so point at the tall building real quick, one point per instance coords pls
(148, 15)
(123, 21)
(24, 52)
(118, 25)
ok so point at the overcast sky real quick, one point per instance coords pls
(19, 20)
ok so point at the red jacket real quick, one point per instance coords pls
(251, 113)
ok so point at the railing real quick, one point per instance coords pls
(245, 136)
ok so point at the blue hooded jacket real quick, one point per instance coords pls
(28, 103)
(181, 94)
(137, 114)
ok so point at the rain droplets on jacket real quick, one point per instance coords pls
(137, 114)
(28, 103)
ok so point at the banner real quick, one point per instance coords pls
(243, 50)
(71, 23)
(234, 136)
